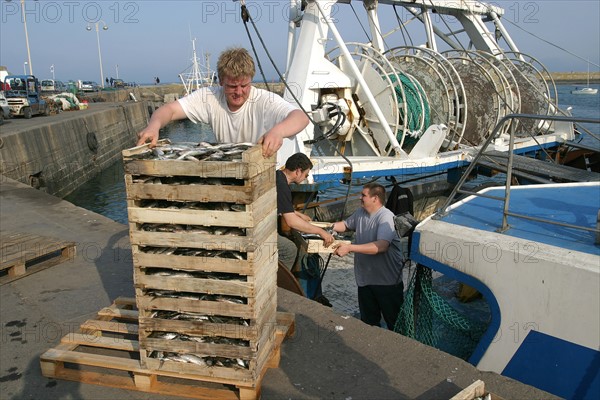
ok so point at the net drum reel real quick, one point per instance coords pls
(483, 95)
(492, 100)
(440, 82)
(538, 94)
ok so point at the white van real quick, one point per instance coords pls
(51, 85)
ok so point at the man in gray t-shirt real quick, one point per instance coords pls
(377, 257)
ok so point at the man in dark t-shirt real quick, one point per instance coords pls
(296, 170)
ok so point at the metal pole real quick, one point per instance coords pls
(99, 56)
(26, 38)
(25, 68)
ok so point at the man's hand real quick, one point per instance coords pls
(342, 249)
(160, 118)
(148, 135)
(327, 238)
(271, 142)
(290, 126)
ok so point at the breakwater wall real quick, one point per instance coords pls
(65, 151)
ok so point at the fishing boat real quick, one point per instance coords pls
(533, 252)
(405, 104)
(197, 75)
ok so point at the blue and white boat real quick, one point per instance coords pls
(533, 252)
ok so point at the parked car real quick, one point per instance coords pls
(89, 86)
(118, 83)
(4, 108)
(51, 85)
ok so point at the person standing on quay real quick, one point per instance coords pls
(377, 257)
(236, 110)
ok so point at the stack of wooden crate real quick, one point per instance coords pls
(204, 245)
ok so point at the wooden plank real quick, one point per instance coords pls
(254, 213)
(192, 347)
(102, 342)
(147, 302)
(193, 263)
(474, 390)
(95, 325)
(194, 285)
(200, 328)
(120, 313)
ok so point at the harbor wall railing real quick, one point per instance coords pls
(61, 155)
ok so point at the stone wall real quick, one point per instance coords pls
(60, 156)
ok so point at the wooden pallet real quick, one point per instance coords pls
(22, 254)
(105, 352)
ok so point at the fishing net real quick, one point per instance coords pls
(417, 117)
(427, 317)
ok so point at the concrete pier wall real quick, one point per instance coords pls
(60, 154)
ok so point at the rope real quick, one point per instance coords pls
(360, 22)
(245, 17)
(418, 112)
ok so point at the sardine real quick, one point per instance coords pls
(194, 359)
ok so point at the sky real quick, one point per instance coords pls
(150, 38)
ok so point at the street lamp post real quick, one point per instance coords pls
(26, 38)
(52, 70)
(117, 68)
(104, 28)
(25, 68)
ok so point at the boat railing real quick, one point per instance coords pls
(506, 198)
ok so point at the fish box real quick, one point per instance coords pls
(240, 181)
(204, 245)
(317, 245)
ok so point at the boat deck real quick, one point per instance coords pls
(576, 204)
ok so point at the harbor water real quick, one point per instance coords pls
(105, 194)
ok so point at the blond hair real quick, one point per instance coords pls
(235, 63)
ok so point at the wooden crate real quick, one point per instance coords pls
(22, 254)
(105, 351)
(177, 214)
(256, 175)
(474, 391)
(317, 246)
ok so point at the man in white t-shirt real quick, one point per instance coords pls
(236, 111)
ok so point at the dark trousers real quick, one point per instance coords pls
(377, 300)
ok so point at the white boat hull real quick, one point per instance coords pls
(544, 299)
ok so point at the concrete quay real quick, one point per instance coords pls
(331, 356)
